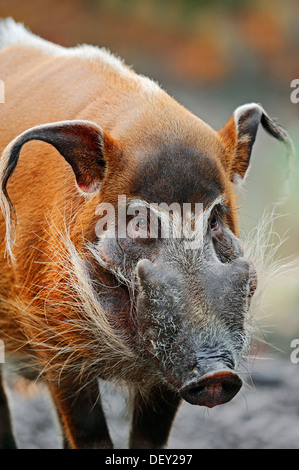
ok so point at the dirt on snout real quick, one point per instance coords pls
(264, 415)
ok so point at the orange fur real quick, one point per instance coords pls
(42, 314)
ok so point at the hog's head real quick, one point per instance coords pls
(184, 294)
(190, 288)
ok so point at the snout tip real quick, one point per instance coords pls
(212, 389)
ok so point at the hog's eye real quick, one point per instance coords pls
(139, 226)
(214, 224)
(142, 224)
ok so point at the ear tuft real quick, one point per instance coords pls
(239, 134)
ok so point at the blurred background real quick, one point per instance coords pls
(211, 56)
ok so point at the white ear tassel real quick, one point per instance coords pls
(4, 204)
(241, 110)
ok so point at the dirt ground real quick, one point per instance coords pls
(265, 415)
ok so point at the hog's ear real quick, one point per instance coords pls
(83, 144)
(238, 136)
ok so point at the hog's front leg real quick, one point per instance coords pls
(152, 419)
(81, 415)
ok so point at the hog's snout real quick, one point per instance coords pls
(193, 324)
(212, 389)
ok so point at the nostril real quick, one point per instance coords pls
(196, 391)
(214, 389)
(231, 386)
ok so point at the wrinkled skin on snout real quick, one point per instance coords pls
(191, 309)
(196, 340)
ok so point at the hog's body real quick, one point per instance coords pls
(167, 320)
